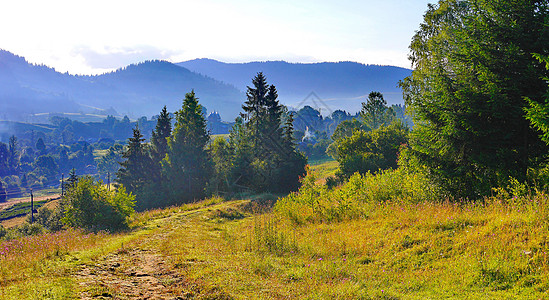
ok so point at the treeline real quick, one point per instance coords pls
(182, 164)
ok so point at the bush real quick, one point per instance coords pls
(49, 218)
(92, 206)
(352, 200)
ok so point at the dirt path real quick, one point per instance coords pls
(130, 274)
(140, 271)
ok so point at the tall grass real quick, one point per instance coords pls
(354, 200)
(22, 258)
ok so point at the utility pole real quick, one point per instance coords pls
(109, 181)
(62, 184)
(32, 208)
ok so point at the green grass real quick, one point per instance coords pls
(373, 238)
(20, 209)
(324, 169)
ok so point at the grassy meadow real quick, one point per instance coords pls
(377, 237)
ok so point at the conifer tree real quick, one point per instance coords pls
(271, 161)
(187, 165)
(134, 170)
(159, 138)
(473, 68)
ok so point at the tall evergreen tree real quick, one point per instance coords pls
(264, 167)
(187, 165)
(159, 138)
(134, 169)
(473, 67)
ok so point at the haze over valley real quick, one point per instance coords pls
(31, 93)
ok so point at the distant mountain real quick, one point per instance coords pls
(31, 92)
(137, 90)
(329, 86)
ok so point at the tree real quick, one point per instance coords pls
(89, 204)
(13, 159)
(134, 170)
(538, 113)
(222, 159)
(3, 194)
(4, 159)
(110, 162)
(261, 143)
(375, 112)
(47, 166)
(159, 142)
(40, 146)
(371, 151)
(187, 165)
(473, 67)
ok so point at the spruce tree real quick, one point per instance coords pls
(134, 169)
(159, 138)
(473, 68)
(187, 165)
(263, 150)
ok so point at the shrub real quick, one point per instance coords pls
(91, 205)
(354, 199)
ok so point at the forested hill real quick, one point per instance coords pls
(136, 90)
(342, 85)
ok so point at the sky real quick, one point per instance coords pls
(92, 37)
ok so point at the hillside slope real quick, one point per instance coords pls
(342, 85)
(137, 90)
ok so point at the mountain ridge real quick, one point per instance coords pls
(337, 85)
(142, 89)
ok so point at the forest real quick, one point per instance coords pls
(442, 197)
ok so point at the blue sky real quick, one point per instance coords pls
(90, 37)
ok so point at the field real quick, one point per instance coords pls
(248, 249)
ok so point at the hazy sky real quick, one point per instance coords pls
(84, 37)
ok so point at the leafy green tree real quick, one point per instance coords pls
(47, 166)
(538, 112)
(89, 204)
(375, 112)
(371, 151)
(473, 67)
(3, 194)
(222, 159)
(343, 130)
(187, 165)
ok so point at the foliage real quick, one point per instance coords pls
(265, 157)
(375, 112)
(134, 170)
(109, 164)
(538, 112)
(370, 151)
(92, 206)
(222, 160)
(159, 142)
(187, 165)
(318, 203)
(473, 67)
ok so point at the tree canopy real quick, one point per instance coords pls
(473, 68)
